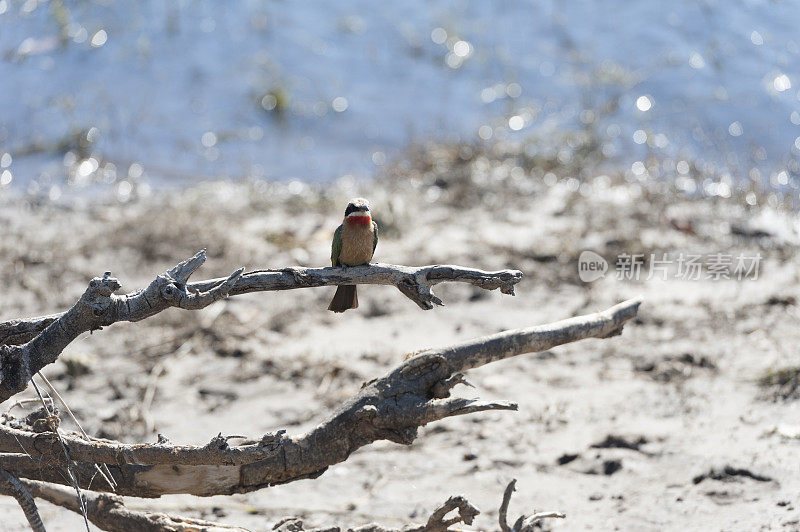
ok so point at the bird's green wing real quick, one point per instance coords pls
(336, 246)
(374, 238)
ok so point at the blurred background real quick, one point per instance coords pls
(486, 134)
(156, 94)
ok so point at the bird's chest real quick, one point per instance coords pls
(357, 244)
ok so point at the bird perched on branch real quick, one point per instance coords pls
(353, 244)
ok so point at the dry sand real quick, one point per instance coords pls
(662, 428)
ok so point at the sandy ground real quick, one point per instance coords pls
(679, 393)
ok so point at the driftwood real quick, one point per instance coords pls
(393, 407)
(525, 523)
(11, 485)
(173, 289)
(27, 345)
(108, 512)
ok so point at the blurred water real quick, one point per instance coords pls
(174, 92)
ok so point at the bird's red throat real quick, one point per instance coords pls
(359, 219)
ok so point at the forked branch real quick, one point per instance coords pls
(415, 282)
(393, 407)
(26, 346)
(525, 523)
(11, 485)
(108, 512)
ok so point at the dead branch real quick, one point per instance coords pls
(393, 407)
(437, 522)
(20, 331)
(11, 485)
(503, 514)
(99, 306)
(524, 523)
(108, 512)
(173, 289)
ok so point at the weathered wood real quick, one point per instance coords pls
(414, 282)
(99, 306)
(11, 485)
(393, 407)
(108, 512)
(413, 394)
(20, 331)
(523, 523)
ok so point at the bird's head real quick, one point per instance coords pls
(357, 212)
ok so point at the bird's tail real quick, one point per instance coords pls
(346, 297)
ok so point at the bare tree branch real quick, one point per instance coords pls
(172, 289)
(108, 512)
(437, 522)
(524, 523)
(503, 515)
(528, 523)
(392, 408)
(11, 485)
(99, 306)
(20, 331)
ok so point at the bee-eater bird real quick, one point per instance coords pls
(353, 244)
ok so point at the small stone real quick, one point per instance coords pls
(566, 458)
